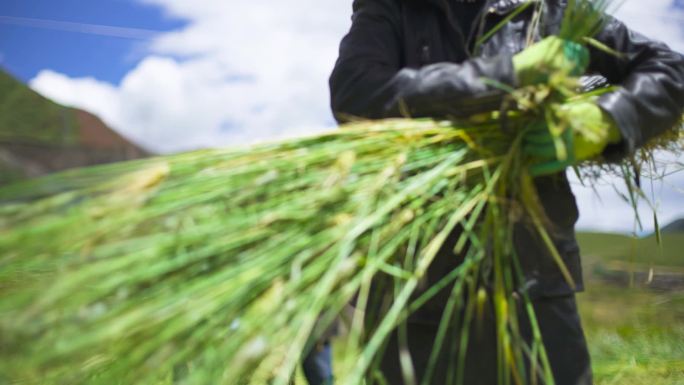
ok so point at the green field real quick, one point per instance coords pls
(636, 335)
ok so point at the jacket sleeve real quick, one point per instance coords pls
(369, 82)
(650, 98)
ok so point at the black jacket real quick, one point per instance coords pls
(412, 53)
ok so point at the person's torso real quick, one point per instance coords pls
(435, 31)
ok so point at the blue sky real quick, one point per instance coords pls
(175, 75)
(34, 35)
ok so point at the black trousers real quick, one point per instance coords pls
(562, 336)
(317, 365)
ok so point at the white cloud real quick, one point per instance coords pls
(246, 71)
(657, 19)
(239, 72)
(87, 93)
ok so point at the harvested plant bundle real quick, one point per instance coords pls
(230, 257)
(231, 262)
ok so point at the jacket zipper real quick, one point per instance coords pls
(425, 54)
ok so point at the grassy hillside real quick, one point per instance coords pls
(38, 136)
(26, 116)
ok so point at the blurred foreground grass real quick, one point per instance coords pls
(635, 334)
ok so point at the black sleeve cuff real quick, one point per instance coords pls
(620, 107)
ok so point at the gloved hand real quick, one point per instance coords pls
(553, 54)
(588, 130)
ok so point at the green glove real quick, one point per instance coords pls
(551, 55)
(589, 130)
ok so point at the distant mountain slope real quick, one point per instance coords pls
(676, 227)
(38, 136)
(602, 247)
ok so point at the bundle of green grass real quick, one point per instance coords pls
(229, 263)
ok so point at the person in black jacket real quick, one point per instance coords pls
(425, 58)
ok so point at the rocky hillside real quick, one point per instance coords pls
(38, 136)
